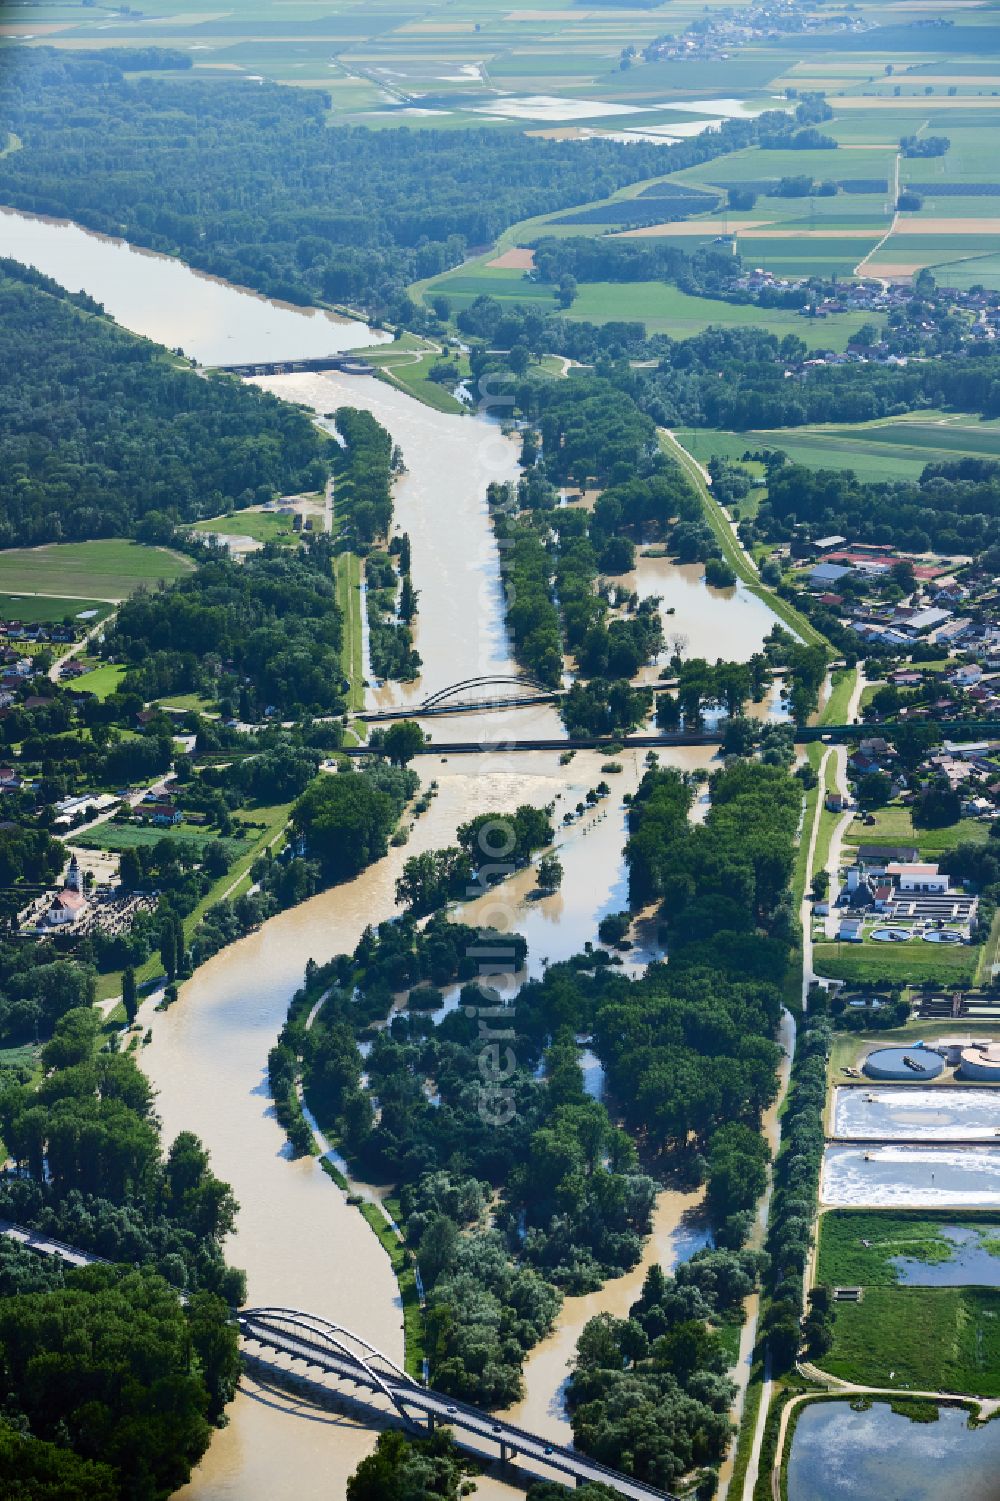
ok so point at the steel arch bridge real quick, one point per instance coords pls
(337, 1352)
(518, 685)
(345, 1353)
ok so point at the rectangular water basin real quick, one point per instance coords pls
(932, 1114)
(915, 1177)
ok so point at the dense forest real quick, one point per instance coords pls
(264, 634)
(248, 181)
(954, 507)
(102, 436)
(114, 1380)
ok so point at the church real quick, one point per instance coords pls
(69, 904)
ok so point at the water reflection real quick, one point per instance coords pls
(971, 1264)
(878, 1455)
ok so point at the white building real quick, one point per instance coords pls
(917, 876)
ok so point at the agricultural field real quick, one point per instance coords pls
(665, 309)
(893, 448)
(87, 571)
(559, 71)
(662, 307)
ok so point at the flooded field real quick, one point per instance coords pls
(935, 1114)
(911, 1177)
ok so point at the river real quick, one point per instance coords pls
(300, 1242)
(212, 321)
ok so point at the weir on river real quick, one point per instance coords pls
(299, 1240)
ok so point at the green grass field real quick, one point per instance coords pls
(35, 609)
(348, 581)
(929, 1338)
(841, 689)
(103, 570)
(117, 836)
(894, 825)
(916, 963)
(411, 375)
(263, 526)
(102, 682)
(857, 1246)
(195, 702)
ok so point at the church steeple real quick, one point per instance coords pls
(73, 882)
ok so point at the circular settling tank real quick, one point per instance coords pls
(891, 935)
(981, 1063)
(903, 1063)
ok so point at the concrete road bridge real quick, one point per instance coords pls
(347, 364)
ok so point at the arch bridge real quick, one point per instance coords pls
(490, 691)
(288, 1337)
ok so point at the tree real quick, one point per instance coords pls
(437, 1249)
(406, 1469)
(35, 1470)
(130, 869)
(403, 740)
(168, 950)
(346, 822)
(130, 999)
(939, 806)
(550, 873)
(874, 789)
(108, 1361)
(433, 878)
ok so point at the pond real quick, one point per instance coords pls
(937, 1114)
(912, 1177)
(878, 1455)
(163, 299)
(971, 1263)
